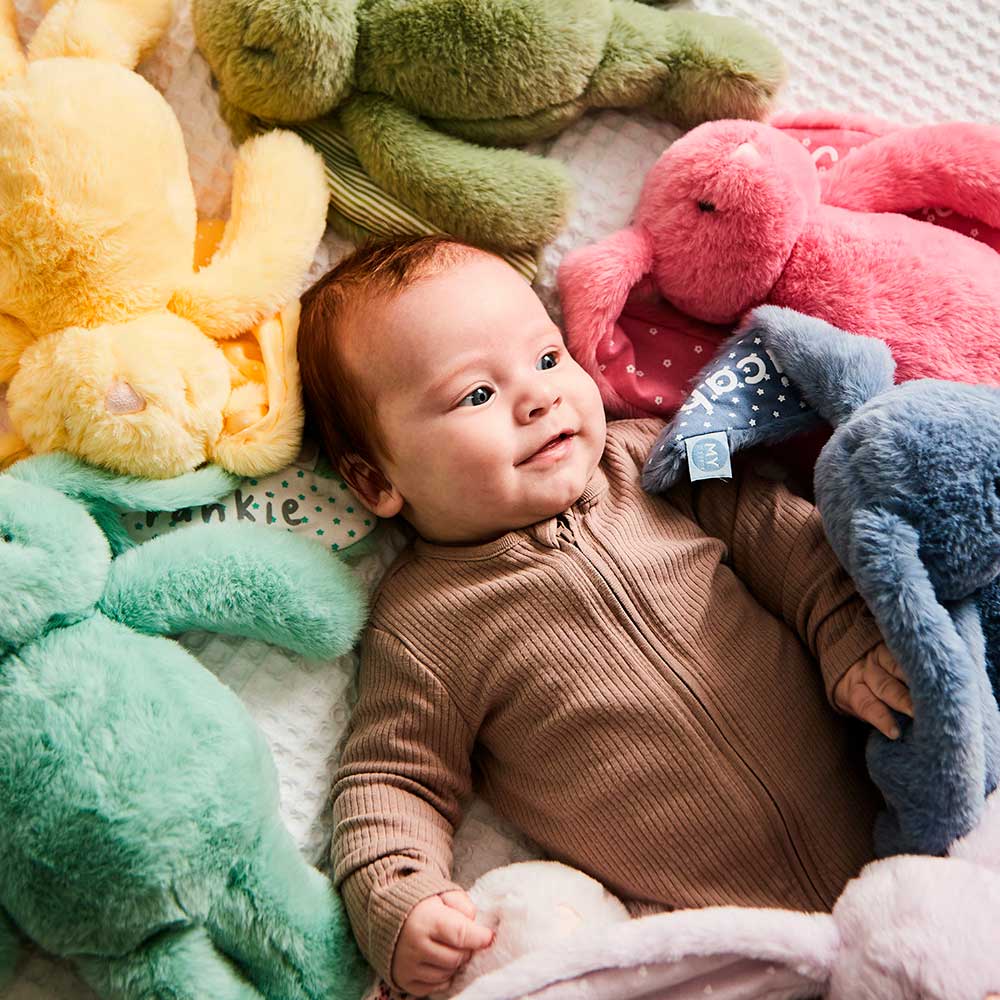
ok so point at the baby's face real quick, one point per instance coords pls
(489, 423)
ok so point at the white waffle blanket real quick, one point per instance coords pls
(904, 60)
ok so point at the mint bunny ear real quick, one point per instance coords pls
(106, 493)
(75, 478)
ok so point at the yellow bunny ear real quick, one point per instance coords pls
(262, 428)
(262, 422)
(277, 220)
(119, 31)
(11, 53)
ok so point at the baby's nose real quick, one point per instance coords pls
(537, 404)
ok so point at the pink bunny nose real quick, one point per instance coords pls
(121, 398)
(746, 152)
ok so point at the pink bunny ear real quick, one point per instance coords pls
(594, 283)
(954, 165)
(982, 845)
(728, 953)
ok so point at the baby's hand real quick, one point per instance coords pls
(873, 686)
(436, 940)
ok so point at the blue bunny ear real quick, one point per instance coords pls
(779, 375)
(106, 493)
(836, 372)
(743, 398)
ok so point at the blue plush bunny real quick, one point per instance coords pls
(909, 490)
(139, 825)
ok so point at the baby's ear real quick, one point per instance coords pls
(371, 486)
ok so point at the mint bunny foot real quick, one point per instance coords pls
(182, 964)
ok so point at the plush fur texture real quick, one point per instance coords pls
(909, 490)
(422, 88)
(908, 928)
(734, 215)
(989, 610)
(533, 906)
(139, 820)
(108, 336)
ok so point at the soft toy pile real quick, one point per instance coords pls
(112, 347)
(139, 825)
(422, 89)
(909, 490)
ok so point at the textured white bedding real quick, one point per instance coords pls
(906, 60)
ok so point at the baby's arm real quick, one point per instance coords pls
(778, 548)
(404, 770)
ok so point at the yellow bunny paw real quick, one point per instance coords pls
(120, 31)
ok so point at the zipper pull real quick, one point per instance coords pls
(565, 530)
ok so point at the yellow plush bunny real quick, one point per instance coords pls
(112, 345)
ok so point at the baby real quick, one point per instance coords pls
(631, 680)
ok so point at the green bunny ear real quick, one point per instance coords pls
(835, 371)
(106, 493)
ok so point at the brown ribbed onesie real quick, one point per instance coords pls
(632, 684)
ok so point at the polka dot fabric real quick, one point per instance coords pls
(304, 499)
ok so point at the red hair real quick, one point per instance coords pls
(341, 413)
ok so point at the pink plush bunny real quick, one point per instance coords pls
(735, 214)
(908, 928)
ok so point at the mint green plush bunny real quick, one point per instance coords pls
(139, 826)
(421, 88)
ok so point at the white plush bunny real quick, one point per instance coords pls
(534, 906)
(907, 928)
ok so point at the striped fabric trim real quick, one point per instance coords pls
(355, 195)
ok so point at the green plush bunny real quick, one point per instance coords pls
(139, 825)
(421, 88)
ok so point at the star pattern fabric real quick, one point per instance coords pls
(742, 398)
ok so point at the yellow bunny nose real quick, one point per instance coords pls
(121, 398)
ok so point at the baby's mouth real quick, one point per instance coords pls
(553, 443)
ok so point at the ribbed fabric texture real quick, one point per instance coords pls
(633, 684)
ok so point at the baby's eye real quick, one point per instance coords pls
(548, 360)
(481, 394)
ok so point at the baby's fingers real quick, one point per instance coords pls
(893, 692)
(865, 705)
(455, 930)
(442, 958)
(889, 663)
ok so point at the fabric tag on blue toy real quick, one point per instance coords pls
(741, 399)
(708, 457)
